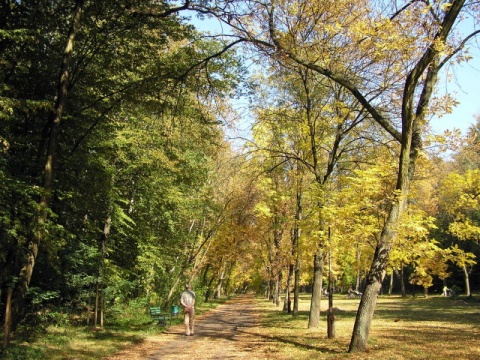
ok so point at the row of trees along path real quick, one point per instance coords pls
(227, 332)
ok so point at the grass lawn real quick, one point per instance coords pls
(125, 327)
(410, 328)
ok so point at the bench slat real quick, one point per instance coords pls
(157, 315)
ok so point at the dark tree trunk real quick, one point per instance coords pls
(288, 301)
(296, 244)
(296, 291)
(26, 272)
(8, 317)
(390, 285)
(330, 317)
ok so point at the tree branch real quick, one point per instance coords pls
(164, 14)
(382, 121)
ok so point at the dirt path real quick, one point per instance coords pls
(227, 332)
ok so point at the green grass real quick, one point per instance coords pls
(410, 328)
(124, 327)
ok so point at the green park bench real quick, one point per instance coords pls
(160, 317)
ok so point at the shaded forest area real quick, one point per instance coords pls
(122, 178)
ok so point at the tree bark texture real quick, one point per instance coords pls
(318, 261)
(467, 281)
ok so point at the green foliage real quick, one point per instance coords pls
(136, 146)
(141, 196)
(26, 352)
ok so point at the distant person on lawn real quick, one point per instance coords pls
(187, 300)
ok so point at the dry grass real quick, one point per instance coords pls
(414, 328)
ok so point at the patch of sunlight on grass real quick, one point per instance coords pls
(403, 328)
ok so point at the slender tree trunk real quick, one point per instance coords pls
(296, 241)
(173, 287)
(102, 305)
(183, 269)
(228, 277)
(296, 291)
(101, 287)
(318, 261)
(97, 295)
(218, 289)
(330, 317)
(8, 317)
(209, 289)
(26, 272)
(271, 294)
(278, 286)
(390, 286)
(358, 253)
(288, 301)
(467, 281)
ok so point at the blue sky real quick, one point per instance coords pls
(465, 86)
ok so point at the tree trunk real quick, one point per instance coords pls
(288, 301)
(331, 317)
(103, 248)
(8, 317)
(271, 291)
(296, 291)
(102, 304)
(390, 286)
(209, 289)
(410, 147)
(381, 257)
(296, 244)
(376, 273)
(228, 277)
(467, 281)
(278, 283)
(314, 319)
(26, 272)
(95, 313)
(358, 253)
(218, 289)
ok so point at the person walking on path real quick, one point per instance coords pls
(187, 300)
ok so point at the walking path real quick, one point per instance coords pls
(227, 332)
